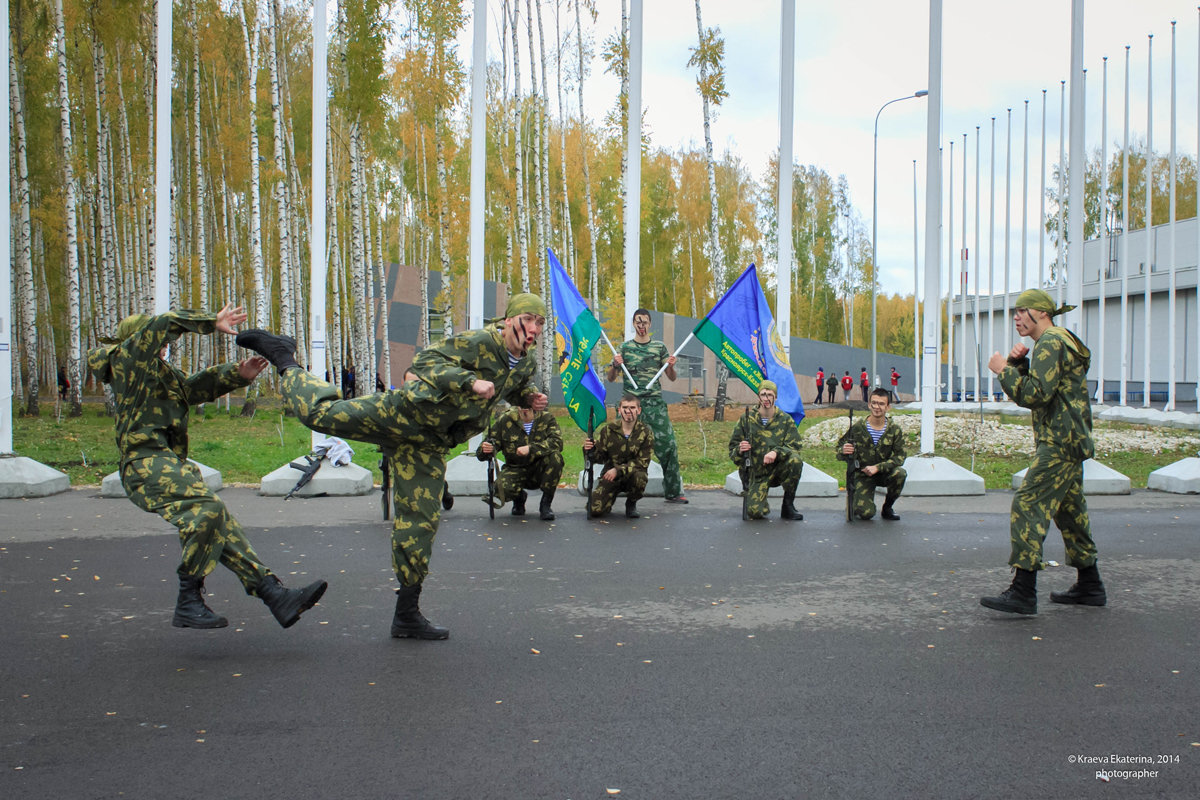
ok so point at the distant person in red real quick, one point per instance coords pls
(895, 385)
(864, 383)
(820, 383)
(847, 385)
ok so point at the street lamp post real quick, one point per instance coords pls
(875, 227)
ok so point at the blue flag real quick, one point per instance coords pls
(576, 332)
(740, 330)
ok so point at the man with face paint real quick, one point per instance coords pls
(1051, 382)
(623, 446)
(457, 383)
(643, 358)
(773, 442)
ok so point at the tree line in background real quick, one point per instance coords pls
(82, 79)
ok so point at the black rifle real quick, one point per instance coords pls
(385, 466)
(587, 459)
(491, 472)
(851, 471)
(744, 472)
(307, 470)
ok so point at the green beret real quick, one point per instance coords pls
(126, 328)
(769, 385)
(525, 303)
(1038, 300)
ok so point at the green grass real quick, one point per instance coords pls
(245, 450)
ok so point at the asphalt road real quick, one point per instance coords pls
(684, 655)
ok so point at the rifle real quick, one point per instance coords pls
(851, 470)
(744, 473)
(587, 459)
(308, 469)
(491, 473)
(385, 466)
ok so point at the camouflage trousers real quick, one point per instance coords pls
(655, 416)
(543, 473)
(604, 493)
(172, 488)
(418, 469)
(1052, 489)
(783, 472)
(863, 504)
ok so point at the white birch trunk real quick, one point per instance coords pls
(25, 297)
(201, 240)
(358, 286)
(287, 323)
(518, 167)
(250, 42)
(73, 298)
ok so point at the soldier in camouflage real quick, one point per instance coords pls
(771, 440)
(532, 447)
(152, 400)
(1051, 382)
(643, 358)
(879, 445)
(458, 382)
(623, 446)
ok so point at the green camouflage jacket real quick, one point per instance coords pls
(508, 433)
(1052, 382)
(152, 396)
(643, 361)
(440, 404)
(780, 435)
(627, 455)
(887, 455)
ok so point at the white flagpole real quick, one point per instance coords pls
(162, 160)
(991, 333)
(916, 298)
(663, 368)
(1025, 204)
(1149, 264)
(950, 282)
(787, 81)
(933, 218)
(317, 266)
(1125, 241)
(633, 156)
(1008, 328)
(1062, 191)
(978, 255)
(475, 312)
(624, 369)
(1170, 406)
(1197, 339)
(1104, 243)
(1041, 284)
(1077, 166)
(963, 283)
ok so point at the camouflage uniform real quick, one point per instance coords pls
(416, 425)
(152, 399)
(541, 469)
(643, 361)
(779, 434)
(888, 455)
(1052, 383)
(631, 458)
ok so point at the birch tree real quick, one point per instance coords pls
(72, 254)
(26, 299)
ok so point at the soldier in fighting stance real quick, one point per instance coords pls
(879, 445)
(532, 447)
(152, 399)
(771, 439)
(458, 382)
(1051, 381)
(623, 446)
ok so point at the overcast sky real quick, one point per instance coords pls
(854, 56)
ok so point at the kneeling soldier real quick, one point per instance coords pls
(879, 446)
(532, 447)
(773, 444)
(623, 446)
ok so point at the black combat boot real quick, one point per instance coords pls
(191, 610)
(887, 513)
(279, 350)
(631, 509)
(447, 498)
(288, 604)
(409, 622)
(1088, 590)
(544, 508)
(788, 509)
(1019, 598)
(518, 509)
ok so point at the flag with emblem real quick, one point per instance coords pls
(576, 332)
